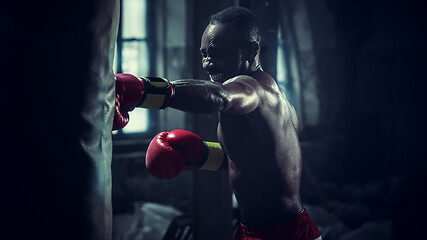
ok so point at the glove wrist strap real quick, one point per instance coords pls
(215, 159)
(158, 93)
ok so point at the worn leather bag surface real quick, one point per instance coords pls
(57, 99)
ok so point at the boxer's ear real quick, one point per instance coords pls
(250, 50)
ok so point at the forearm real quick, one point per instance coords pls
(198, 96)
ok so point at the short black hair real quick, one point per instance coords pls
(243, 18)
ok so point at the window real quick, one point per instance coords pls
(281, 65)
(284, 76)
(287, 72)
(133, 55)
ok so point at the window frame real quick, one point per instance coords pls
(153, 115)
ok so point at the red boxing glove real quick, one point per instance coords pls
(121, 118)
(162, 160)
(171, 152)
(131, 92)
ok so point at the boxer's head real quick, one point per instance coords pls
(230, 43)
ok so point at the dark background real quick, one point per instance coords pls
(356, 73)
(356, 77)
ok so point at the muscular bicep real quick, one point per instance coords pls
(235, 96)
(198, 96)
(242, 96)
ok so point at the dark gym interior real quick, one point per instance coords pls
(354, 70)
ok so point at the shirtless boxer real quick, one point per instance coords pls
(258, 129)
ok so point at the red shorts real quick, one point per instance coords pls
(300, 227)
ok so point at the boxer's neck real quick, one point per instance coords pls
(254, 66)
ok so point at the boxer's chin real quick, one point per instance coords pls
(218, 77)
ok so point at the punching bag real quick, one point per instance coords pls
(57, 100)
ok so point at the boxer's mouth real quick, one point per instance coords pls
(217, 77)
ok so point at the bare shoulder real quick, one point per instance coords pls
(243, 79)
(258, 80)
(242, 94)
(276, 98)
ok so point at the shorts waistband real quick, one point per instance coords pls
(297, 227)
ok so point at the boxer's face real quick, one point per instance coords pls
(221, 54)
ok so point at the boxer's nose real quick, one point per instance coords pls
(208, 63)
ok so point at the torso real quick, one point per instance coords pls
(264, 157)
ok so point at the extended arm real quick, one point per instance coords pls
(237, 95)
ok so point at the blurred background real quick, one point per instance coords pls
(354, 71)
